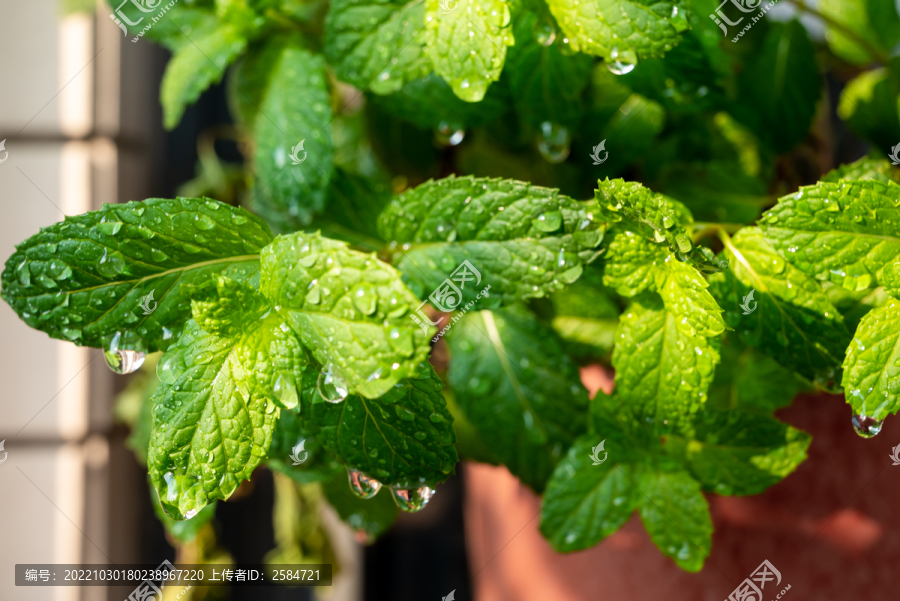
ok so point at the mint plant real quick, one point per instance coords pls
(295, 332)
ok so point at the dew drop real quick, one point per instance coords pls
(678, 19)
(544, 32)
(412, 499)
(123, 360)
(111, 263)
(448, 135)
(365, 299)
(285, 390)
(554, 142)
(331, 387)
(621, 62)
(363, 486)
(548, 221)
(866, 427)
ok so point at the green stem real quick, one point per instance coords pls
(877, 54)
(703, 229)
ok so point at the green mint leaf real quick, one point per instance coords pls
(777, 308)
(633, 264)
(377, 45)
(780, 86)
(429, 102)
(354, 203)
(874, 21)
(468, 47)
(585, 316)
(872, 364)
(214, 411)
(238, 12)
(250, 78)
(676, 516)
(630, 261)
(868, 105)
(403, 438)
(88, 277)
(662, 372)
(517, 387)
(638, 120)
(184, 531)
(373, 516)
(846, 232)
(737, 453)
(133, 407)
(524, 240)
(350, 309)
(196, 66)
(584, 503)
(546, 84)
(661, 220)
(179, 25)
(694, 67)
(863, 303)
(865, 168)
(294, 120)
(222, 306)
(748, 380)
(617, 29)
(684, 292)
(295, 453)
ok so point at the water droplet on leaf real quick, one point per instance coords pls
(412, 499)
(330, 386)
(866, 427)
(554, 142)
(621, 62)
(120, 359)
(362, 485)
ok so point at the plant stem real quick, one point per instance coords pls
(702, 229)
(877, 54)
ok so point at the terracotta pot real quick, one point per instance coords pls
(831, 528)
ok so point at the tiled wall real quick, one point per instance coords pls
(70, 111)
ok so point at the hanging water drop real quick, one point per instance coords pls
(120, 359)
(362, 485)
(412, 499)
(553, 142)
(448, 135)
(548, 221)
(285, 390)
(678, 19)
(867, 427)
(544, 32)
(621, 62)
(331, 387)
